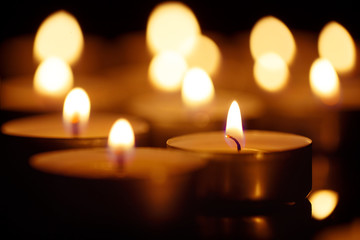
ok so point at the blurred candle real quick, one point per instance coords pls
(59, 35)
(142, 188)
(28, 55)
(75, 129)
(199, 107)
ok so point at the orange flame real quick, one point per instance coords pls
(121, 141)
(234, 134)
(76, 111)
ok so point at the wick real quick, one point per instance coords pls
(75, 122)
(120, 162)
(236, 141)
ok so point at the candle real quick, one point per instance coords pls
(270, 166)
(46, 131)
(75, 129)
(125, 189)
(24, 53)
(170, 117)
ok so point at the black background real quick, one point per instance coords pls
(111, 18)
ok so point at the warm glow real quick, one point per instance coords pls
(337, 45)
(323, 203)
(172, 26)
(59, 36)
(197, 88)
(270, 34)
(76, 111)
(234, 126)
(53, 78)
(271, 72)
(121, 138)
(166, 71)
(324, 81)
(205, 54)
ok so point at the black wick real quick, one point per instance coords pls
(236, 141)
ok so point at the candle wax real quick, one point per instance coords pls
(273, 166)
(154, 189)
(170, 117)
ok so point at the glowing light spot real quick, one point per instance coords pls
(269, 34)
(324, 81)
(60, 36)
(323, 203)
(197, 88)
(172, 26)
(336, 44)
(167, 70)
(205, 54)
(271, 72)
(53, 78)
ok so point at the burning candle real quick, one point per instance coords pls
(199, 108)
(52, 78)
(75, 129)
(251, 165)
(141, 188)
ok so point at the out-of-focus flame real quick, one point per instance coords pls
(269, 34)
(234, 127)
(121, 141)
(197, 88)
(166, 71)
(271, 72)
(172, 26)
(323, 203)
(336, 44)
(53, 78)
(59, 35)
(76, 111)
(324, 81)
(205, 54)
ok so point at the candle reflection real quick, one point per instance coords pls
(281, 222)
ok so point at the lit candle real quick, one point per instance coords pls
(75, 129)
(170, 116)
(140, 188)
(251, 165)
(21, 91)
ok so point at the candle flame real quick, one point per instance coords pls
(197, 88)
(166, 71)
(271, 72)
(172, 26)
(53, 78)
(324, 81)
(336, 44)
(269, 34)
(205, 54)
(234, 134)
(323, 203)
(121, 140)
(59, 35)
(76, 111)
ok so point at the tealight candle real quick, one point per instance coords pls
(75, 129)
(271, 166)
(169, 116)
(140, 188)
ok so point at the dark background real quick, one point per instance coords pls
(111, 18)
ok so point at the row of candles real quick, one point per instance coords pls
(212, 167)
